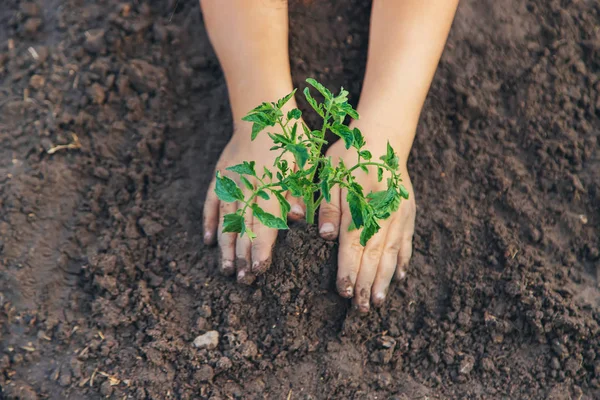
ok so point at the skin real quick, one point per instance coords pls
(406, 41)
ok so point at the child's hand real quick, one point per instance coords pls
(365, 272)
(239, 253)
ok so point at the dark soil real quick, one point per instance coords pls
(105, 283)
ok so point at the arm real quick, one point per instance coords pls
(406, 40)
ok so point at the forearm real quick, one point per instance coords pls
(406, 41)
(251, 42)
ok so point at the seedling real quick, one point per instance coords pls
(313, 175)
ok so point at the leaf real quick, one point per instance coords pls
(263, 194)
(233, 223)
(294, 114)
(366, 154)
(390, 159)
(256, 129)
(356, 209)
(364, 168)
(371, 228)
(313, 103)
(285, 99)
(379, 174)
(347, 108)
(267, 173)
(359, 139)
(227, 190)
(322, 89)
(268, 220)
(293, 132)
(247, 183)
(326, 190)
(279, 138)
(292, 184)
(300, 153)
(251, 235)
(342, 97)
(245, 168)
(344, 132)
(403, 192)
(283, 204)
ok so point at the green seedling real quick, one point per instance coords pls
(313, 175)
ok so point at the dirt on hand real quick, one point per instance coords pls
(104, 281)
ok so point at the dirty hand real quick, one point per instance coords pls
(364, 273)
(239, 254)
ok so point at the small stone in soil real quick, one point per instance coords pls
(204, 374)
(224, 364)
(149, 226)
(32, 25)
(466, 365)
(94, 41)
(209, 340)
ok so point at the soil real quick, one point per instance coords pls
(105, 282)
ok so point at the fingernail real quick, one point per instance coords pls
(241, 275)
(326, 228)
(348, 292)
(363, 308)
(207, 238)
(227, 267)
(401, 275)
(297, 210)
(259, 267)
(378, 299)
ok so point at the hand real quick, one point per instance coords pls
(239, 253)
(365, 273)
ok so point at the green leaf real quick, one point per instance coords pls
(300, 153)
(390, 159)
(293, 184)
(263, 194)
(279, 138)
(293, 132)
(256, 129)
(283, 204)
(366, 154)
(268, 173)
(364, 168)
(379, 174)
(245, 168)
(359, 139)
(356, 209)
(347, 108)
(342, 97)
(233, 223)
(313, 103)
(251, 235)
(294, 114)
(371, 228)
(227, 190)
(403, 192)
(247, 183)
(344, 132)
(285, 99)
(322, 89)
(326, 190)
(268, 220)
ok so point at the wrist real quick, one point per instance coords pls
(378, 133)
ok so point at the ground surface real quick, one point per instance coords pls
(105, 283)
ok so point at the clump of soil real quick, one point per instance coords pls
(105, 284)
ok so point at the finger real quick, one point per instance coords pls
(387, 264)
(262, 246)
(349, 256)
(297, 210)
(330, 216)
(226, 240)
(243, 250)
(404, 256)
(211, 215)
(371, 257)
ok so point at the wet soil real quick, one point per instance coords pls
(105, 282)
